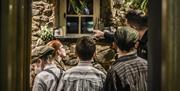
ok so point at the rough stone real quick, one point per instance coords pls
(37, 18)
(72, 48)
(47, 12)
(38, 3)
(105, 56)
(72, 62)
(44, 19)
(68, 52)
(66, 58)
(36, 33)
(47, 6)
(36, 0)
(99, 67)
(41, 8)
(34, 38)
(36, 12)
(40, 42)
(35, 28)
(36, 23)
(50, 24)
(101, 48)
(72, 55)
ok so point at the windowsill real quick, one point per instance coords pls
(72, 36)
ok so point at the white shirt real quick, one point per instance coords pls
(82, 77)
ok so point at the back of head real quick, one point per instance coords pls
(137, 17)
(55, 44)
(125, 38)
(85, 48)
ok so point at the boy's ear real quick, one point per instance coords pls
(39, 60)
(114, 46)
(94, 55)
(137, 44)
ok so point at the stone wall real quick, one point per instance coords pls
(43, 14)
(112, 12)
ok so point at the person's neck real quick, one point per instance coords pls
(124, 53)
(84, 62)
(142, 32)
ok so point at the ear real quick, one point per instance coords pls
(39, 61)
(94, 55)
(136, 45)
(114, 46)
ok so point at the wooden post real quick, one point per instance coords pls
(170, 45)
(15, 41)
(164, 45)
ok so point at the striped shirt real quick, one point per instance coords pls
(83, 77)
(128, 73)
(46, 81)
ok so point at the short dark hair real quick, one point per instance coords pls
(137, 17)
(125, 38)
(85, 48)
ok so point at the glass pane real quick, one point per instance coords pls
(87, 24)
(83, 7)
(72, 24)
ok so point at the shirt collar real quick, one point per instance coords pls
(49, 66)
(85, 63)
(130, 53)
(129, 56)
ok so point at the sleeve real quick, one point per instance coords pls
(61, 84)
(111, 81)
(39, 85)
(109, 36)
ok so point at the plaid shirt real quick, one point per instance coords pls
(83, 77)
(128, 73)
(46, 81)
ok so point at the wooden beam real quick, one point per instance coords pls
(15, 44)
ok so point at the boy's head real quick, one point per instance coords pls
(125, 38)
(41, 52)
(85, 48)
(136, 19)
(40, 57)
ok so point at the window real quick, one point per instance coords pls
(79, 16)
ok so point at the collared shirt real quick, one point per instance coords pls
(128, 73)
(83, 77)
(46, 81)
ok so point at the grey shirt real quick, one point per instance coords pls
(46, 81)
(83, 77)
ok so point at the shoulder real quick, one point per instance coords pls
(75, 68)
(142, 62)
(44, 76)
(97, 71)
(83, 71)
